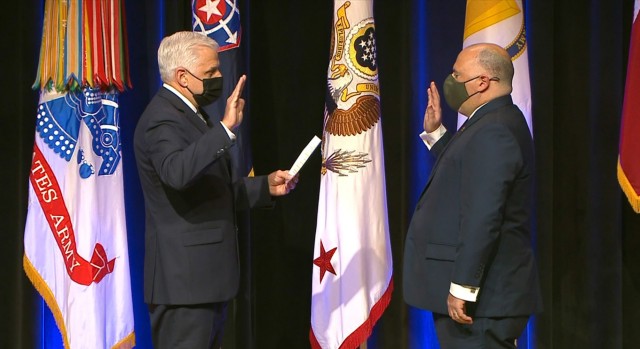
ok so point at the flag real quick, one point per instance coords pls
(628, 164)
(84, 43)
(352, 278)
(502, 22)
(75, 238)
(221, 22)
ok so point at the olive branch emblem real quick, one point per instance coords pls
(344, 162)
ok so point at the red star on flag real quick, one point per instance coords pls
(324, 261)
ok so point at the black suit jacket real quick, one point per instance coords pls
(472, 223)
(191, 248)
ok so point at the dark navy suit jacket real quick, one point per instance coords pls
(472, 223)
(191, 248)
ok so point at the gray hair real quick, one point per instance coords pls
(496, 62)
(179, 50)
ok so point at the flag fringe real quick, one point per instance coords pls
(129, 342)
(44, 290)
(41, 286)
(360, 335)
(627, 188)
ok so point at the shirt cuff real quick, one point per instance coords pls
(467, 293)
(430, 138)
(231, 135)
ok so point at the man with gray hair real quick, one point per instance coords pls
(468, 255)
(191, 265)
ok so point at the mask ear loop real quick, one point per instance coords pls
(185, 85)
(495, 78)
(190, 73)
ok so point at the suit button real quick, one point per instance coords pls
(479, 271)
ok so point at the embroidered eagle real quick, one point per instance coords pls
(361, 116)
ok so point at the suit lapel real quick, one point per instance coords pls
(197, 122)
(492, 105)
(188, 113)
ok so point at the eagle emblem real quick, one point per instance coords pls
(352, 99)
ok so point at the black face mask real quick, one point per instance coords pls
(212, 89)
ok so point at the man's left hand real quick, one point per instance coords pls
(281, 183)
(457, 310)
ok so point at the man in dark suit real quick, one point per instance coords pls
(468, 256)
(191, 267)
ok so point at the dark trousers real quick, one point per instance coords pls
(198, 326)
(484, 333)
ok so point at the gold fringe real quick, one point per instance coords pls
(44, 290)
(128, 342)
(38, 282)
(634, 198)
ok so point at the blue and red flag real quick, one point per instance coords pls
(220, 20)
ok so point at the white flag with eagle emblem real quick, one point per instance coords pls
(502, 22)
(352, 268)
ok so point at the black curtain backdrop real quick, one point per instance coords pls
(587, 236)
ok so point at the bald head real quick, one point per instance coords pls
(487, 73)
(495, 60)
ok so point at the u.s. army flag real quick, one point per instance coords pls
(75, 240)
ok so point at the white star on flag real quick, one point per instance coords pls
(211, 8)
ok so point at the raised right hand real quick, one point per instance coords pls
(233, 111)
(433, 113)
